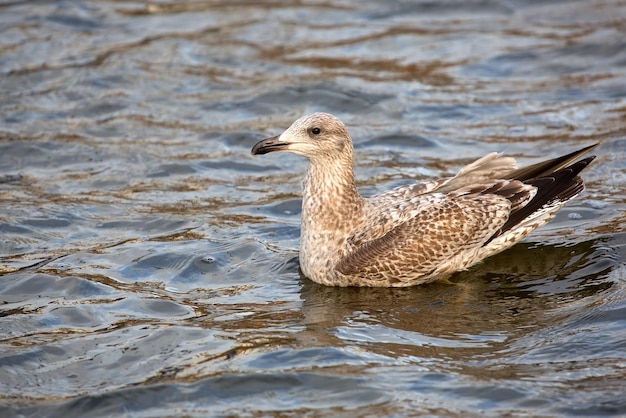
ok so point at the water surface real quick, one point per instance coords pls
(149, 262)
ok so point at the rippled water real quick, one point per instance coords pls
(149, 262)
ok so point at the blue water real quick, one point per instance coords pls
(148, 262)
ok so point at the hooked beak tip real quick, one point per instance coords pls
(268, 145)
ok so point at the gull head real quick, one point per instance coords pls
(316, 136)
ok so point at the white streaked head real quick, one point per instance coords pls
(316, 136)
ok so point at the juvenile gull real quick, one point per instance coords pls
(417, 233)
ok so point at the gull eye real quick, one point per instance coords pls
(316, 131)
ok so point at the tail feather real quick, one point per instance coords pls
(552, 187)
(546, 168)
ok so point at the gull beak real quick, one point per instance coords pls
(269, 145)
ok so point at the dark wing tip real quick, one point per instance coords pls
(560, 186)
(545, 168)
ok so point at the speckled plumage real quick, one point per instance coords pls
(417, 233)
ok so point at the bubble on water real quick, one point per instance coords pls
(575, 216)
(597, 204)
(208, 259)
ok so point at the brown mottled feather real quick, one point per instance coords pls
(435, 235)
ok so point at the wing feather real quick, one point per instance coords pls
(420, 245)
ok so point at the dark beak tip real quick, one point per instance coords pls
(267, 145)
(257, 151)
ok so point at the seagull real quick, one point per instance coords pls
(421, 232)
